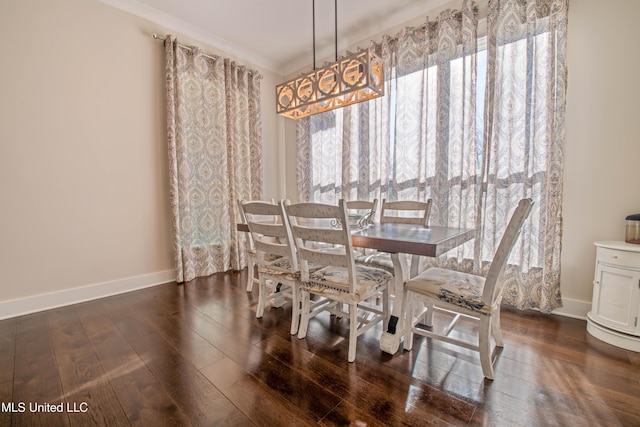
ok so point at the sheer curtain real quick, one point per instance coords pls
(436, 154)
(524, 131)
(215, 144)
(473, 144)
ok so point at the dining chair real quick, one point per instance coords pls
(403, 212)
(322, 236)
(464, 295)
(362, 212)
(250, 250)
(275, 257)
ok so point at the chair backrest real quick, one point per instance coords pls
(322, 236)
(365, 210)
(243, 218)
(493, 285)
(269, 230)
(397, 212)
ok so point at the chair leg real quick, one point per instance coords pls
(304, 315)
(295, 308)
(262, 296)
(484, 345)
(496, 329)
(353, 331)
(278, 295)
(407, 306)
(428, 318)
(250, 273)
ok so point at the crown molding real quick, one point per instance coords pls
(174, 24)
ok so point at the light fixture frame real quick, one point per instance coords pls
(354, 78)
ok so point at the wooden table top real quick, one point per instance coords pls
(412, 239)
(407, 238)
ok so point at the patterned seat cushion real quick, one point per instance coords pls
(279, 267)
(282, 265)
(332, 280)
(378, 260)
(461, 289)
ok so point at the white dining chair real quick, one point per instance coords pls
(464, 295)
(402, 212)
(250, 250)
(362, 212)
(278, 272)
(322, 235)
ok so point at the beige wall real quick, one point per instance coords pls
(602, 156)
(83, 182)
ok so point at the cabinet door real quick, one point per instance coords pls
(615, 298)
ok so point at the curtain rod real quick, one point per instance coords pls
(457, 14)
(190, 48)
(157, 37)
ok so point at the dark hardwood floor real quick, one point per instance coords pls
(196, 355)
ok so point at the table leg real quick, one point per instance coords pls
(391, 337)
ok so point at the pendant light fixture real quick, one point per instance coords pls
(354, 78)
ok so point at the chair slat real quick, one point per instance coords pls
(270, 230)
(320, 257)
(313, 210)
(319, 235)
(273, 248)
(419, 212)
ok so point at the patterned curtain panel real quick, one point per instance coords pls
(215, 157)
(524, 131)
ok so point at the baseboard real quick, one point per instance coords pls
(571, 308)
(28, 305)
(576, 309)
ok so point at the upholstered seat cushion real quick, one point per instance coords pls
(461, 289)
(335, 281)
(279, 267)
(378, 260)
(282, 266)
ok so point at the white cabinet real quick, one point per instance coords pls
(616, 295)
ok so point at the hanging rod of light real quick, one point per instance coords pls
(354, 78)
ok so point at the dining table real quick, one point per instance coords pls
(401, 240)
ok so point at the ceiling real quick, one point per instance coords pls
(277, 34)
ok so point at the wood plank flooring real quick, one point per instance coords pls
(196, 355)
